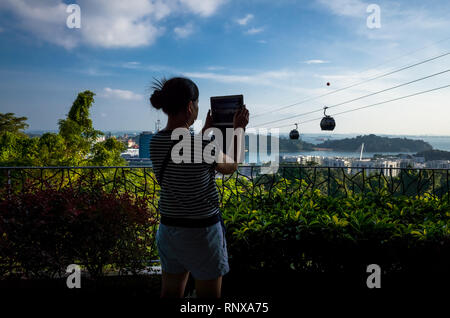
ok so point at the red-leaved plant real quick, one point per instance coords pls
(43, 231)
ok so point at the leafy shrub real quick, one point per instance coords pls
(284, 230)
(271, 226)
(43, 231)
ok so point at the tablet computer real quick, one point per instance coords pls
(223, 109)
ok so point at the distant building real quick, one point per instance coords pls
(357, 166)
(407, 163)
(335, 162)
(100, 139)
(130, 153)
(438, 164)
(290, 159)
(311, 159)
(144, 144)
(387, 165)
(133, 161)
(130, 143)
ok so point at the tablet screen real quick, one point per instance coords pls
(223, 109)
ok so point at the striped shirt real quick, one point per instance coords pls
(188, 190)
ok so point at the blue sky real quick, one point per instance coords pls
(275, 53)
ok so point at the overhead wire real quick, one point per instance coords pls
(358, 98)
(376, 104)
(359, 83)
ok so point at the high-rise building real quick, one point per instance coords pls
(144, 144)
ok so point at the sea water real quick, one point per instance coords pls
(437, 142)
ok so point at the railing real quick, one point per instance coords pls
(247, 189)
(247, 182)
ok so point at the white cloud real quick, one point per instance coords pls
(215, 68)
(262, 78)
(316, 62)
(203, 7)
(407, 24)
(185, 31)
(219, 77)
(350, 8)
(399, 22)
(121, 94)
(104, 23)
(46, 20)
(245, 20)
(252, 31)
(131, 64)
(145, 67)
(116, 23)
(93, 71)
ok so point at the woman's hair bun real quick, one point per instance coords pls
(173, 95)
(157, 99)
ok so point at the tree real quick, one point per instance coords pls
(80, 137)
(77, 129)
(10, 123)
(9, 148)
(52, 150)
(74, 145)
(107, 153)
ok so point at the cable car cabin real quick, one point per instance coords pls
(294, 134)
(327, 123)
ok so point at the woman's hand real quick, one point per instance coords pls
(208, 121)
(240, 119)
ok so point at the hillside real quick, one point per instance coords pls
(373, 143)
(288, 145)
(434, 155)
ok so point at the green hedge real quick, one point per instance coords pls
(271, 227)
(312, 232)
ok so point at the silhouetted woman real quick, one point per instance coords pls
(191, 235)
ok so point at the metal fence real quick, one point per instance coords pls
(247, 187)
(247, 183)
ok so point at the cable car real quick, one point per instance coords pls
(327, 122)
(294, 134)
